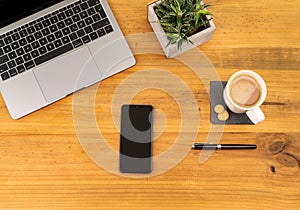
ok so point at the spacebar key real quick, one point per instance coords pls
(53, 54)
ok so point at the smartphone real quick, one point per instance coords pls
(136, 139)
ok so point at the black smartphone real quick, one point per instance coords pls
(136, 139)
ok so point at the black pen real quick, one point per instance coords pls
(208, 146)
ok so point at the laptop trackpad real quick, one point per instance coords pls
(67, 74)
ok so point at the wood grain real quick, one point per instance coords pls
(43, 166)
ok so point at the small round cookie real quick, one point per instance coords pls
(219, 108)
(223, 116)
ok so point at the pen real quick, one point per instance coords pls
(209, 146)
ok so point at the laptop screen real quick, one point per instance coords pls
(14, 10)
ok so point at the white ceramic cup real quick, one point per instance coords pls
(254, 113)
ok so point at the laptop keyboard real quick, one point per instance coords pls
(52, 35)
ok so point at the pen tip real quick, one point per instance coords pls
(193, 146)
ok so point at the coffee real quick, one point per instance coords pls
(245, 91)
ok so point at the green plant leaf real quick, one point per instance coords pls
(205, 12)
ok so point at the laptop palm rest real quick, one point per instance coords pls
(67, 74)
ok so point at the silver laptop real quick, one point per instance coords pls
(51, 48)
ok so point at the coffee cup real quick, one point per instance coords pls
(245, 91)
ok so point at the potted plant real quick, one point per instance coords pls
(180, 25)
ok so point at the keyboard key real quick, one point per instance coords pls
(43, 41)
(91, 11)
(74, 27)
(15, 36)
(42, 50)
(53, 28)
(109, 29)
(86, 39)
(19, 60)
(77, 43)
(30, 30)
(50, 47)
(38, 35)
(1, 52)
(20, 69)
(11, 64)
(30, 38)
(14, 46)
(100, 24)
(3, 68)
(101, 32)
(93, 2)
(35, 45)
(57, 43)
(38, 26)
(88, 21)
(29, 65)
(13, 72)
(34, 54)
(73, 36)
(46, 23)
(96, 17)
(20, 51)
(27, 57)
(76, 10)
(88, 29)
(22, 42)
(23, 33)
(50, 38)
(93, 36)
(3, 59)
(83, 15)
(53, 19)
(76, 18)
(8, 40)
(65, 40)
(81, 24)
(7, 49)
(84, 6)
(45, 32)
(80, 33)
(66, 31)
(69, 13)
(12, 55)
(61, 16)
(61, 25)
(53, 54)
(28, 48)
(68, 21)
(58, 34)
(5, 76)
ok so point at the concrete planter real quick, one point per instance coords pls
(171, 50)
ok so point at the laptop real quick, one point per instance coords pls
(52, 48)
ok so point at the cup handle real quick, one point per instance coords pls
(256, 115)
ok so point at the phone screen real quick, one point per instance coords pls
(136, 139)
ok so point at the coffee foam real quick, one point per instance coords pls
(245, 91)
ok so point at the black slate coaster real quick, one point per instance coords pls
(216, 97)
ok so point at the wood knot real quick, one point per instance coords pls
(276, 147)
(287, 160)
(273, 143)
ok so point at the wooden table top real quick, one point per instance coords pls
(44, 166)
